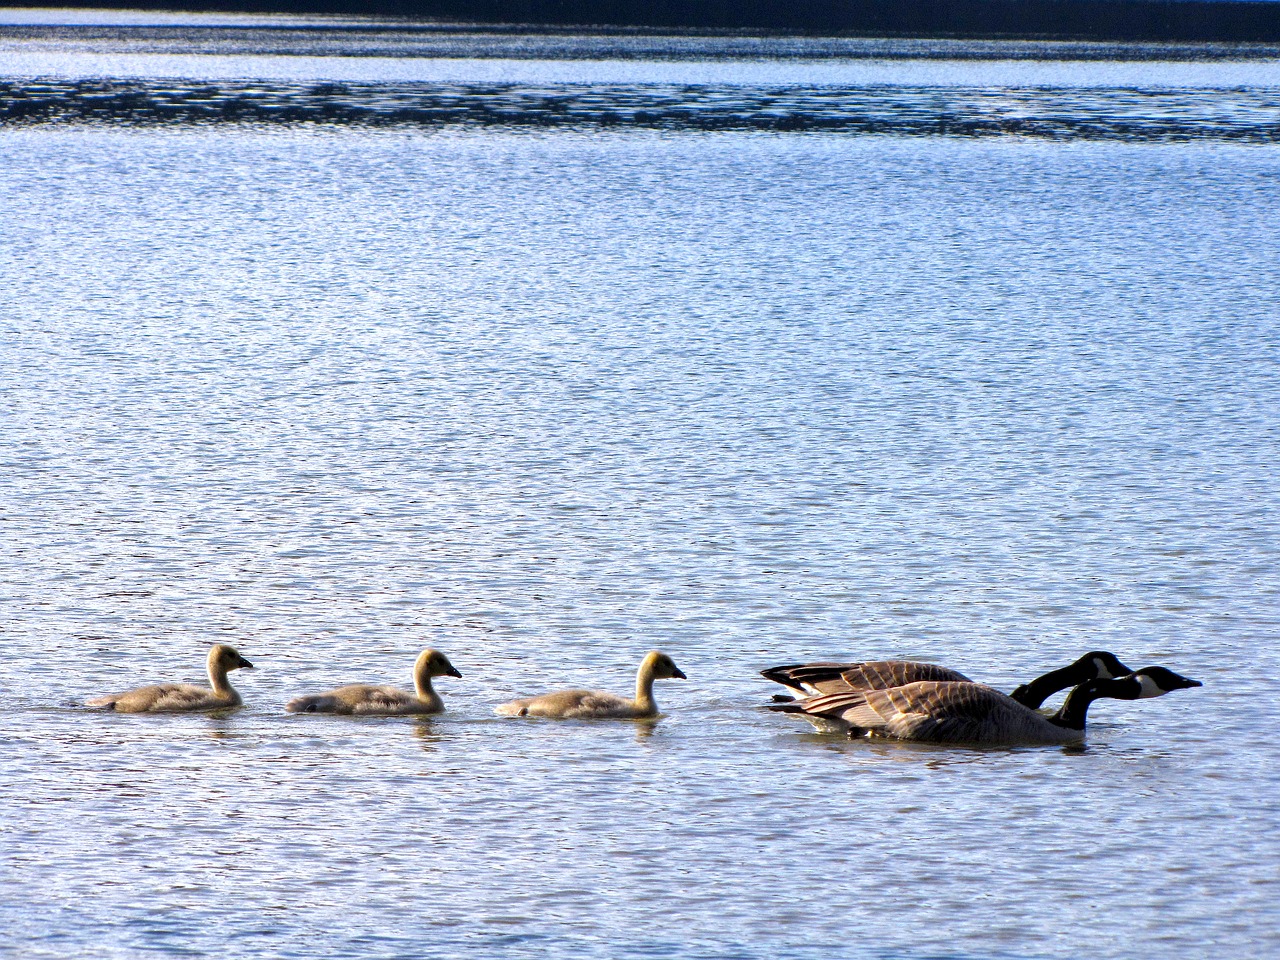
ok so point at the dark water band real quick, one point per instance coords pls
(1248, 115)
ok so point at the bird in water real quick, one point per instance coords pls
(595, 704)
(370, 700)
(184, 697)
(950, 711)
(811, 679)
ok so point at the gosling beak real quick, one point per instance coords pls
(244, 663)
(453, 672)
(679, 674)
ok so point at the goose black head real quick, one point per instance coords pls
(1094, 665)
(1157, 681)
(1102, 665)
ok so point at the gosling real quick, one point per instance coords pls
(183, 697)
(598, 705)
(367, 700)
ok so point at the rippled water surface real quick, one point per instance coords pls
(549, 395)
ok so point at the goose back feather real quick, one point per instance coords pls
(807, 679)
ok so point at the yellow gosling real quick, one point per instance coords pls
(364, 699)
(183, 697)
(594, 704)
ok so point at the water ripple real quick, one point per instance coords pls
(1115, 114)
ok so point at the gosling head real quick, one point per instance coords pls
(1157, 681)
(664, 668)
(435, 664)
(227, 658)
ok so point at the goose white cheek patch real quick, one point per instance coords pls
(1101, 667)
(1150, 689)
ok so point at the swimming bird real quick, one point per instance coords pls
(179, 697)
(593, 704)
(811, 679)
(951, 711)
(365, 699)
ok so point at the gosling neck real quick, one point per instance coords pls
(422, 683)
(644, 687)
(1076, 706)
(218, 679)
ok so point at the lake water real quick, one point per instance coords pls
(547, 352)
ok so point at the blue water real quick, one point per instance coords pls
(549, 395)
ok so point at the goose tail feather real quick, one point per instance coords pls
(785, 706)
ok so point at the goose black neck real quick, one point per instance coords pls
(1035, 693)
(1076, 707)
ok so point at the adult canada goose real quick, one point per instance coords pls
(179, 697)
(949, 711)
(593, 704)
(810, 679)
(359, 698)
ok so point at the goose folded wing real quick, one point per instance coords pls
(832, 677)
(883, 674)
(807, 676)
(850, 706)
(945, 711)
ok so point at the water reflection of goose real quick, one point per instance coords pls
(812, 679)
(183, 697)
(950, 711)
(366, 699)
(594, 704)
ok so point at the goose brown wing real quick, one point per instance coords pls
(834, 677)
(883, 674)
(808, 676)
(947, 711)
(849, 706)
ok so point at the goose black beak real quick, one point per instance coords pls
(244, 664)
(679, 674)
(453, 672)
